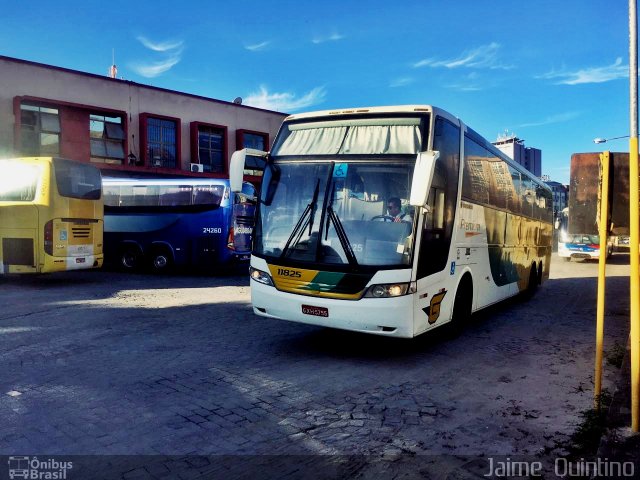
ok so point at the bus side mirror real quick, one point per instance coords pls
(422, 177)
(256, 159)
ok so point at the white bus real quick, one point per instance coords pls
(474, 227)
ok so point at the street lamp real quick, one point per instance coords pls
(605, 140)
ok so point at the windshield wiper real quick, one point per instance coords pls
(342, 235)
(306, 218)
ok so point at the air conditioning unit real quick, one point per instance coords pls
(197, 167)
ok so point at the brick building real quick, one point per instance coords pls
(124, 128)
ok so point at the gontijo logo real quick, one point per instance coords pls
(33, 468)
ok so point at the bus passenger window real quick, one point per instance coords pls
(437, 232)
(436, 206)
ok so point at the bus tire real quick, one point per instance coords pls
(540, 273)
(462, 305)
(160, 260)
(532, 287)
(130, 258)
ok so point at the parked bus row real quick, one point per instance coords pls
(385, 220)
(57, 214)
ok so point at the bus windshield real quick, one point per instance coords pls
(76, 180)
(337, 213)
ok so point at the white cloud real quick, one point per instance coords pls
(284, 102)
(334, 37)
(401, 82)
(171, 52)
(485, 56)
(590, 75)
(154, 69)
(465, 88)
(161, 46)
(558, 118)
(468, 83)
(258, 46)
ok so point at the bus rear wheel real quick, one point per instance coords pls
(160, 261)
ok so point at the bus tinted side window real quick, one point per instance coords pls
(438, 226)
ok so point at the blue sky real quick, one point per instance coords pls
(555, 73)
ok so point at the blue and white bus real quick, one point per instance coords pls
(580, 246)
(165, 223)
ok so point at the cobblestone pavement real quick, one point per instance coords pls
(103, 363)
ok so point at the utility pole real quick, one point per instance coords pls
(634, 221)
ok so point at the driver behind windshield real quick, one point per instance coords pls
(394, 207)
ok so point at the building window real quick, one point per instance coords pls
(210, 143)
(255, 140)
(39, 130)
(161, 145)
(107, 138)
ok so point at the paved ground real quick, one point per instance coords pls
(101, 363)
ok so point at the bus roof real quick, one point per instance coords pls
(165, 181)
(404, 109)
(48, 161)
(370, 110)
(40, 160)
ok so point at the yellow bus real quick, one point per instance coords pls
(51, 215)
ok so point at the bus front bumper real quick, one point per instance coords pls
(383, 316)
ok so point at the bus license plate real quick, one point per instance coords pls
(316, 311)
(80, 260)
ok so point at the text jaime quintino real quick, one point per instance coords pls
(562, 467)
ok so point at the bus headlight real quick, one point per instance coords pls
(388, 290)
(260, 276)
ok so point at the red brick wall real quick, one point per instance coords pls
(74, 143)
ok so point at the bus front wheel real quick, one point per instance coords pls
(462, 306)
(130, 258)
(533, 281)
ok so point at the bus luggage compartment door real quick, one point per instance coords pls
(206, 250)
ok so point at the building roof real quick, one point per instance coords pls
(129, 82)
